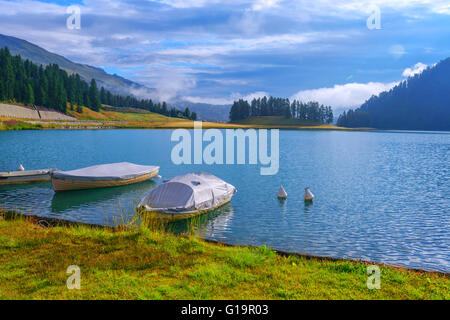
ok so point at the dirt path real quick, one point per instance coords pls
(13, 111)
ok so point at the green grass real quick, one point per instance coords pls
(18, 125)
(150, 264)
(115, 114)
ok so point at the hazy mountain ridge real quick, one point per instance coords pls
(114, 83)
(205, 111)
(38, 55)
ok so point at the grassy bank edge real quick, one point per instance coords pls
(24, 124)
(150, 264)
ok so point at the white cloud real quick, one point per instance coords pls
(264, 4)
(260, 44)
(110, 37)
(417, 69)
(397, 50)
(349, 95)
(170, 84)
(326, 7)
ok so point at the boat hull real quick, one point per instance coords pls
(172, 217)
(17, 177)
(74, 184)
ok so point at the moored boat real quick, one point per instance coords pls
(14, 177)
(186, 196)
(102, 176)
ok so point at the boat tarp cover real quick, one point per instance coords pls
(188, 193)
(113, 171)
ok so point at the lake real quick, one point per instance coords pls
(382, 196)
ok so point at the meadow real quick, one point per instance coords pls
(148, 262)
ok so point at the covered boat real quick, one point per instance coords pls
(101, 176)
(23, 176)
(187, 195)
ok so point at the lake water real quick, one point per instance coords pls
(380, 196)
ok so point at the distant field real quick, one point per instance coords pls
(128, 114)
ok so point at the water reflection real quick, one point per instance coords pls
(63, 201)
(282, 204)
(211, 223)
(308, 206)
(11, 188)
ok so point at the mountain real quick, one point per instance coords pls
(116, 84)
(421, 102)
(205, 111)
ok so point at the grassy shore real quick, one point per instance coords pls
(13, 124)
(149, 264)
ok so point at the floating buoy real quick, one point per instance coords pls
(21, 168)
(282, 193)
(309, 196)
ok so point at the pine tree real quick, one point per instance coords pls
(94, 96)
(52, 87)
(187, 113)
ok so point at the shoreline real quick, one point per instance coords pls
(25, 124)
(48, 222)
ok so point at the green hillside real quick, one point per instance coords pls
(38, 55)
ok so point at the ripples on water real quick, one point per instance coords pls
(380, 196)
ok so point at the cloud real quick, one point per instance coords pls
(170, 84)
(417, 69)
(264, 4)
(272, 45)
(327, 7)
(397, 50)
(349, 95)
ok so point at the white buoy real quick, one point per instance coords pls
(282, 193)
(21, 168)
(309, 196)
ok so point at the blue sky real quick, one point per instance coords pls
(219, 50)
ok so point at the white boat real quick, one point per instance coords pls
(13, 177)
(186, 196)
(101, 176)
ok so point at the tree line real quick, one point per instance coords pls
(354, 118)
(310, 111)
(52, 87)
(419, 103)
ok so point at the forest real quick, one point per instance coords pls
(51, 87)
(271, 106)
(421, 102)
